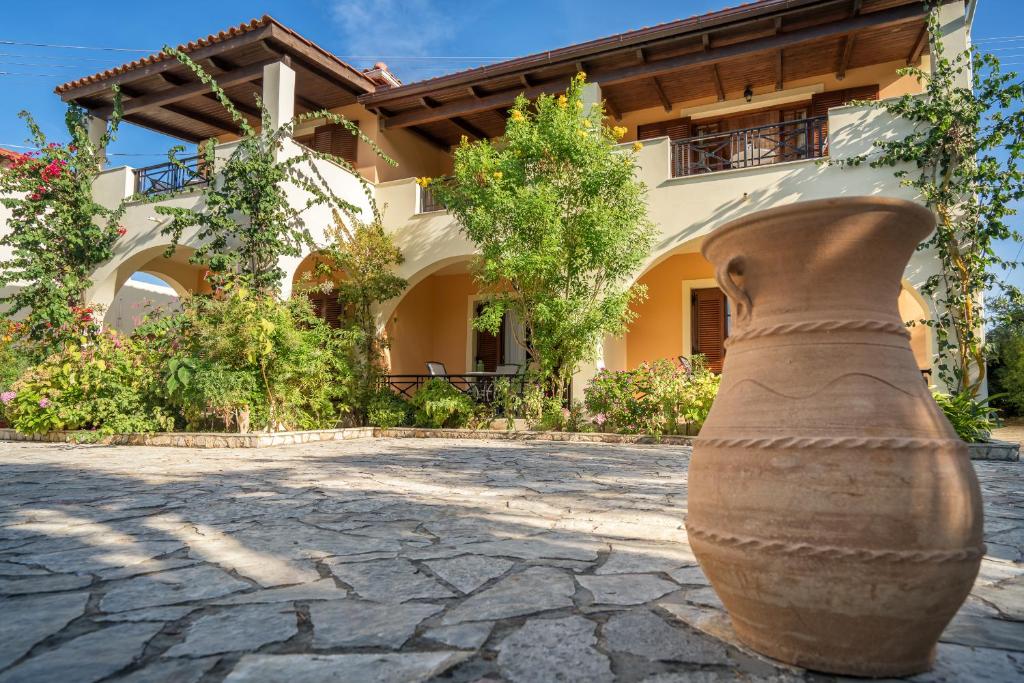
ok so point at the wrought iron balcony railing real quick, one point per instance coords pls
(428, 202)
(169, 177)
(747, 147)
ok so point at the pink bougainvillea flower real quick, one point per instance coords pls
(7, 396)
(600, 418)
(44, 402)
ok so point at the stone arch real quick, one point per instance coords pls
(914, 306)
(430, 320)
(176, 270)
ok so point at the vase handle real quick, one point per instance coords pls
(723, 275)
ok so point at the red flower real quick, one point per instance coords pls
(121, 231)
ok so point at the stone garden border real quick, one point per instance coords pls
(993, 449)
(1005, 451)
(198, 439)
(263, 440)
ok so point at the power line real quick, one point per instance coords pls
(77, 47)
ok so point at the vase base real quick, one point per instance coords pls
(865, 666)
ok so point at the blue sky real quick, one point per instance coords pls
(417, 38)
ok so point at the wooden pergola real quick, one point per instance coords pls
(763, 44)
(161, 94)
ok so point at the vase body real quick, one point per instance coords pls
(831, 505)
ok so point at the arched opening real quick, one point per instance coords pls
(433, 322)
(152, 284)
(913, 308)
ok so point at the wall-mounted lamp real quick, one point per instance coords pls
(748, 93)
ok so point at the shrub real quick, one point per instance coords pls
(106, 385)
(438, 404)
(972, 419)
(386, 410)
(240, 353)
(654, 398)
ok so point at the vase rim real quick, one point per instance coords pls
(923, 214)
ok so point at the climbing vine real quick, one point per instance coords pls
(247, 221)
(57, 232)
(963, 153)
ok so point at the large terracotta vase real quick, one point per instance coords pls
(831, 504)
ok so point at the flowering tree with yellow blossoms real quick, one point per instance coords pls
(561, 225)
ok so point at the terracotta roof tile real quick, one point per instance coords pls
(197, 44)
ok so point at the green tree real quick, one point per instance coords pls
(246, 221)
(561, 225)
(57, 232)
(964, 152)
(364, 255)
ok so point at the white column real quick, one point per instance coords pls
(956, 35)
(591, 96)
(96, 129)
(279, 93)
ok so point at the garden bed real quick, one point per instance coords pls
(198, 439)
(264, 440)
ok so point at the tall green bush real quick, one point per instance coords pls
(561, 225)
(237, 356)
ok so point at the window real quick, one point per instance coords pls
(710, 325)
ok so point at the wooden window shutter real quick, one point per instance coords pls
(823, 101)
(709, 325)
(327, 308)
(674, 129)
(489, 346)
(335, 139)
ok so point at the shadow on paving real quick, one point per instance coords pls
(400, 560)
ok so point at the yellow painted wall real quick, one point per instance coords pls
(911, 309)
(415, 156)
(657, 331)
(431, 323)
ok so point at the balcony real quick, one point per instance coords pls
(171, 177)
(748, 147)
(427, 201)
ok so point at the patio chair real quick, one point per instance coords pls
(508, 369)
(436, 369)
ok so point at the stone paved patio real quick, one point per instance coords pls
(390, 560)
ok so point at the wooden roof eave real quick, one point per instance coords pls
(650, 69)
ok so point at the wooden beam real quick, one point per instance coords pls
(223, 64)
(665, 102)
(914, 58)
(164, 65)
(581, 68)
(428, 102)
(845, 50)
(184, 92)
(641, 56)
(474, 92)
(761, 46)
(178, 110)
(468, 128)
(309, 104)
(315, 61)
(173, 131)
(173, 79)
(778, 70)
(855, 8)
(526, 80)
(427, 137)
(705, 41)
(717, 78)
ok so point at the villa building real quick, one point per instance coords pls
(736, 108)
